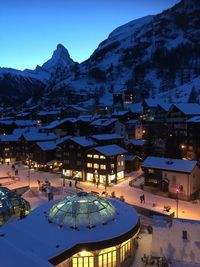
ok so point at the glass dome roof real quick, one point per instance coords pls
(11, 204)
(82, 209)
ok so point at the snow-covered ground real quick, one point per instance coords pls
(187, 210)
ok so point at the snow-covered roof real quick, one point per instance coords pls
(120, 113)
(83, 141)
(62, 139)
(165, 106)
(45, 146)
(110, 150)
(169, 164)
(106, 136)
(138, 142)
(46, 113)
(152, 102)
(195, 119)
(6, 122)
(103, 122)
(188, 108)
(34, 240)
(36, 136)
(57, 123)
(25, 123)
(131, 157)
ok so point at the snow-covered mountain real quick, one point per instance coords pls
(153, 55)
(19, 85)
(60, 59)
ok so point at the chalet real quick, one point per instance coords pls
(73, 152)
(47, 116)
(137, 147)
(62, 127)
(149, 108)
(73, 111)
(177, 124)
(42, 154)
(132, 163)
(192, 146)
(106, 125)
(105, 164)
(107, 139)
(161, 113)
(171, 175)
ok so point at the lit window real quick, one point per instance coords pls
(103, 167)
(151, 171)
(112, 166)
(96, 156)
(125, 250)
(102, 157)
(96, 166)
(89, 155)
(89, 165)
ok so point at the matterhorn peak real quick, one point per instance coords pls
(60, 58)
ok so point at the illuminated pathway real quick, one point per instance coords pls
(186, 209)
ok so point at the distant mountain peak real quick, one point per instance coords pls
(60, 58)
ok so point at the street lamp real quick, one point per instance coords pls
(177, 191)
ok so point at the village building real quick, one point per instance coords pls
(180, 178)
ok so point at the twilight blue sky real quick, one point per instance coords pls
(31, 29)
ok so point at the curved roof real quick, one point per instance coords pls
(9, 200)
(82, 209)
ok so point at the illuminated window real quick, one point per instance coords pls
(89, 165)
(96, 156)
(107, 257)
(151, 171)
(102, 157)
(96, 166)
(125, 250)
(89, 155)
(103, 167)
(112, 166)
(83, 259)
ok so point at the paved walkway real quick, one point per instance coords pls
(187, 210)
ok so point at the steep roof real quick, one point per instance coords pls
(188, 108)
(83, 141)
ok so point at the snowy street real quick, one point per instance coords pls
(188, 210)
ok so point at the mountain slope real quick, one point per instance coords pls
(151, 55)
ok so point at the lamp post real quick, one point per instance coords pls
(177, 191)
(29, 178)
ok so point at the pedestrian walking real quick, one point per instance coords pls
(70, 184)
(76, 182)
(141, 199)
(97, 183)
(39, 183)
(16, 172)
(63, 182)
